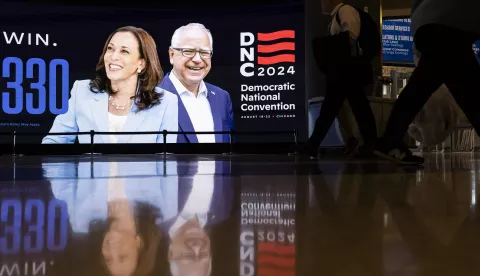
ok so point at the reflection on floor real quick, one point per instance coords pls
(238, 215)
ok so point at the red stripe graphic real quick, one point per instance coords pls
(262, 271)
(276, 47)
(276, 59)
(276, 248)
(283, 262)
(276, 35)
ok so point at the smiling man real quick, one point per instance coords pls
(201, 106)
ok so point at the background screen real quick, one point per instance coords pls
(45, 49)
(476, 50)
(397, 41)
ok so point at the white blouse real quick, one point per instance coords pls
(115, 124)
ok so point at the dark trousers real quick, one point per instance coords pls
(336, 93)
(446, 57)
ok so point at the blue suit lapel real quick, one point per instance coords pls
(184, 122)
(217, 118)
(223, 191)
(185, 181)
(216, 206)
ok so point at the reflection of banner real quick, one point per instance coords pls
(45, 52)
(33, 230)
(267, 235)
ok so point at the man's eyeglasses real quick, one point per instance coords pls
(189, 53)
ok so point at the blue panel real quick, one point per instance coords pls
(397, 41)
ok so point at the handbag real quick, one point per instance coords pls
(332, 53)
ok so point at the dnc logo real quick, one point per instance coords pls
(270, 49)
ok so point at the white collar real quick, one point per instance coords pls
(183, 218)
(335, 10)
(181, 88)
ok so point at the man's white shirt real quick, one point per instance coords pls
(198, 108)
(350, 21)
(199, 199)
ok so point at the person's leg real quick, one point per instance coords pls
(347, 129)
(463, 80)
(443, 60)
(363, 115)
(424, 81)
(334, 98)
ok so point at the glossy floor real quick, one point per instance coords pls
(238, 215)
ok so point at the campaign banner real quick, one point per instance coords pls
(397, 41)
(253, 69)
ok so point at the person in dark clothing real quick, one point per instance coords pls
(444, 32)
(347, 81)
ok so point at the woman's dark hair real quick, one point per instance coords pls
(149, 78)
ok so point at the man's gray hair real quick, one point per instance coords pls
(192, 26)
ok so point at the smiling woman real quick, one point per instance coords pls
(123, 95)
(129, 57)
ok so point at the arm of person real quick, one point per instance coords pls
(170, 119)
(350, 21)
(66, 122)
